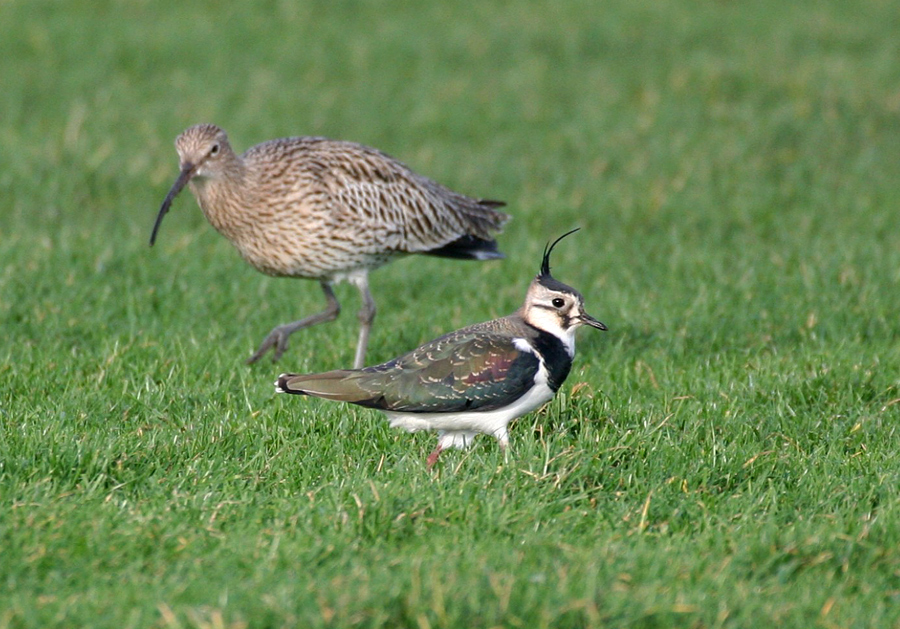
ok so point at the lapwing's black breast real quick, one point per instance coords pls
(556, 359)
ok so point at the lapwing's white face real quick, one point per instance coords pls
(202, 149)
(553, 307)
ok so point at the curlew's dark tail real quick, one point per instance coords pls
(482, 219)
(468, 248)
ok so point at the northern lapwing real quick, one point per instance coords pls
(474, 380)
(326, 210)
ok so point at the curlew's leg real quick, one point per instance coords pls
(278, 337)
(366, 316)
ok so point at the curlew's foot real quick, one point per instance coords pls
(278, 339)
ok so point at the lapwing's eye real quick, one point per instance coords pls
(214, 149)
(559, 302)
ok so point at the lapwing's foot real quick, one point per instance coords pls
(433, 457)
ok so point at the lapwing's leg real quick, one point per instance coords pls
(366, 316)
(503, 439)
(278, 337)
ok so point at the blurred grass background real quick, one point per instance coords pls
(725, 456)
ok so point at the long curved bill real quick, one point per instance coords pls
(187, 171)
(591, 321)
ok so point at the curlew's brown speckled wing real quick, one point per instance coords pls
(411, 212)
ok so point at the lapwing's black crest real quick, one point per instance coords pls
(544, 277)
(548, 249)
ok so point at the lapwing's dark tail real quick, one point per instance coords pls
(340, 385)
(283, 384)
(468, 248)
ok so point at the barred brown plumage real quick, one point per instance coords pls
(328, 210)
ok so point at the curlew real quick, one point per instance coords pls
(475, 380)
(326, 210)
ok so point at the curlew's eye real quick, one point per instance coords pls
(559, 302)
(214, 149)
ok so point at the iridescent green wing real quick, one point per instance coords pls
(458, 372)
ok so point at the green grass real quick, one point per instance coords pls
(725, 456)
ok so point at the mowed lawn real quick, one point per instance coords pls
(727, 455)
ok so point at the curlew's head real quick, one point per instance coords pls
(203, 151)
(555, 307)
